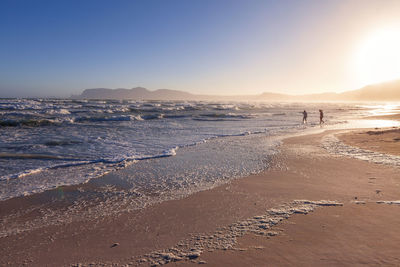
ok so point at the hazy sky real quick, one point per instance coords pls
(57, 47)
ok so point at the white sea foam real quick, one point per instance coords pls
(334, 145)
(225, 238)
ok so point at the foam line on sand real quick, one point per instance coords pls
(333, 145)
(225, 238)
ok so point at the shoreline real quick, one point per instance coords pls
(303, 170)
(385, 141)
(134, 174)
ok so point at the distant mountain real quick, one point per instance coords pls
(140, 93)
(388, 91)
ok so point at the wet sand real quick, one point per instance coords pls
(340, 235)
(379, 140)
(351, 235)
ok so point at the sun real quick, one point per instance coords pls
(378, 57)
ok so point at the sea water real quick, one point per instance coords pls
(156, 145)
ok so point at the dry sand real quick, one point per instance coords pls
(351, 234)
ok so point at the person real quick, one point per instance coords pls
(321, 117)
(304, 117)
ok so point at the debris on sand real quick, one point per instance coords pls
(392, 202)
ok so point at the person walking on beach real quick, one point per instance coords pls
(321, 117)
(304, 116)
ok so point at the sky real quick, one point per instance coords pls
(221, 47)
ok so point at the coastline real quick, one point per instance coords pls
(302, 170)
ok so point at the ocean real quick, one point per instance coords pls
(156, 146)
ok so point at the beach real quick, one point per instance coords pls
(312, 207)
(185, 133)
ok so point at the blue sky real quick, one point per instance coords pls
(55, 48)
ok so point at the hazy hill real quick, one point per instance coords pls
(388, 91)
(138, 93)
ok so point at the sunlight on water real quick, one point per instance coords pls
(384, 109)
(380, 123)
(360, 124)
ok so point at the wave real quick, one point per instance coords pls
(176, 116)
(222, 116)
(225, 107)
(29, 123)
(139, 117)
(62, 143)
(112, 118)
(42, 112)
(72, 162)
(152, 116)
(37, 122)
(34, 156)
(58, 111)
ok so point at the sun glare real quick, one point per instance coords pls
(378, 57)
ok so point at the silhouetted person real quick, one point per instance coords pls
(304, 117)
(321, 117)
